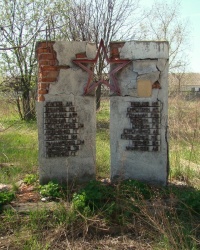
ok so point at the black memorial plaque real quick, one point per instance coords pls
(144, 134)
(61, 129)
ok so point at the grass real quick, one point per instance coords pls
(184, 124)
(100, 215)
(18, 145)
(103, 141)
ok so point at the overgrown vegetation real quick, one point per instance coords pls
(100, 214)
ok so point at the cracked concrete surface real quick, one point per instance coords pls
(149, 63)
(69, 88)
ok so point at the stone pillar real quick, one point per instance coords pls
(66, 119)
(138, 118)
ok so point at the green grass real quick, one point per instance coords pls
(103, 154)
(103, 141)
(18, 152)
(160, 217)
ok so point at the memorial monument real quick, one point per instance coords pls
(138, 110)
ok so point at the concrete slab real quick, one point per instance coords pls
(138, 118)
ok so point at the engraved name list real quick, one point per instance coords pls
(144, 134)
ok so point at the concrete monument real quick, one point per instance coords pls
(138, 117)
(138, 110)
(66, 119)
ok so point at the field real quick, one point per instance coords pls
(100, 215)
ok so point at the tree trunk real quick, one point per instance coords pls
(19, 107)
(98, 97)
(28, 113)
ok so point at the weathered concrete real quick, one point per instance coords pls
(66, 51)
(79, 165)
(145, 50)
(138, 119)
(133, 151)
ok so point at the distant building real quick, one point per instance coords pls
(188, 83)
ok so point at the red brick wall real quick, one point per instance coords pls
(48, 68)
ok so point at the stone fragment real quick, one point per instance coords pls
(5, 187)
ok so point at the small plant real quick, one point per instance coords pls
(94, 196)
(30, 179)
(52, 190)
(6, 197)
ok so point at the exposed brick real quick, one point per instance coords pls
(46, 57)
(44, 50)
(42, 91)
(43, 62)
(81, 55)
(114, 49)
(45, 44)
(48, 74)
(114, 53)
(52, 62)
(48, 71)
(41, 98)
(43, 85)
(49, 68)
(47, 79)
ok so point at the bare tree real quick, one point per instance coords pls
(93, 20)
(22, 23)
(164, 22)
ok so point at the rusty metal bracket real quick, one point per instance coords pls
(91, 85)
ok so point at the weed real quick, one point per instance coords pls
(94, 196)
(30, 179)
(34, 244)
(6, 197)
(52, 190)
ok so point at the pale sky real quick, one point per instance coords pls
(190, 11)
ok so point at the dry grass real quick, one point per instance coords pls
(184, 128)
(184, 119)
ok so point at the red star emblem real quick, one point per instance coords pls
(91, 85)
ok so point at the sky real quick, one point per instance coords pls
(190, 11)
